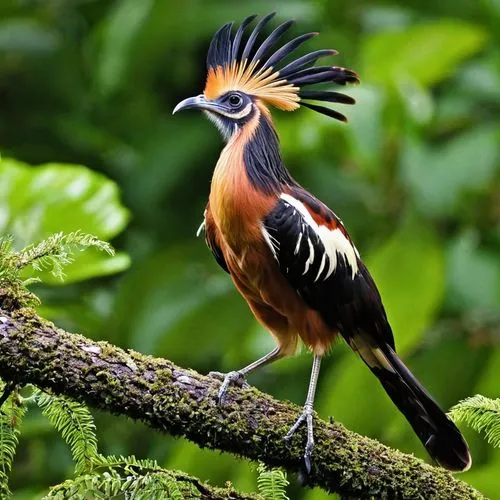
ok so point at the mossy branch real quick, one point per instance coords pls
(181, 402)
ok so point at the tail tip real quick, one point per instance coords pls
(451, 455)
(458, 464)
(451, 458)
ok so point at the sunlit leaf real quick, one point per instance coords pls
(38, 201)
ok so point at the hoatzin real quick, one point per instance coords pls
(287, 253)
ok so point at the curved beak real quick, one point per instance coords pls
(197, 102)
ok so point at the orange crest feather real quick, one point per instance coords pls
(264, 84)
(257, 69)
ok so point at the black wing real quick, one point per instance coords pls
(315, 254)
(211, 239)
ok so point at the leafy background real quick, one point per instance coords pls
(414, 175)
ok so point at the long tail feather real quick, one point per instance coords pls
(439, 435)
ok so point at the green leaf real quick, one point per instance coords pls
(120, 31)
(473, 274)
(188, 296)
(272, 483)
(347, 376)
(439, 178)
(27, 36)
(482, 414)
(365, 130)
(11, 417)
(417, 101)
(76, 425)
(409, 272)
(426, 53)
(39, 201)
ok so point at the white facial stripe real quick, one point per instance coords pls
(223, 129)
(236, 116)
(333, 240)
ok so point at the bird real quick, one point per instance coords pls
(287, 253)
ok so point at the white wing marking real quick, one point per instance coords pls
(310, 259)
(203, 224)
(200, 229)
(333, 241)
(321, 267)
(297, 248)
(269, 242)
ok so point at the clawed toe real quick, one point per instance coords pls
(307, 416)
(308, 454)
(217, 375)
(235, 378)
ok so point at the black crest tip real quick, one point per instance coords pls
(260, 52)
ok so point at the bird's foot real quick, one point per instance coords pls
(307, 416)
(235, 378)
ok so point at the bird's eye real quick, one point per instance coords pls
(235, 100)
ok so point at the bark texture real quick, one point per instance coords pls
(182, 402)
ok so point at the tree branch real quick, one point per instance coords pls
(181, 402)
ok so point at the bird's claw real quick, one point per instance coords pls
(307, 416)
(235, 378)
(218, 375)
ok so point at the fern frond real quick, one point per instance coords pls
(11, 416)
(98, 486)
(76, 425)
(109, 484)
(272, 483)
(130, 464)
(51, 254)
(482, 414)
(5, 252)
(55, 252)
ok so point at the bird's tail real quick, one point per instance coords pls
(441, 438)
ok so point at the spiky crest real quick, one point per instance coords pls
(257, 72)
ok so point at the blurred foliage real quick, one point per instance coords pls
(414, 175)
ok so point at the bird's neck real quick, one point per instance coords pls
(252, 156)
(248, 177)
(262, 159)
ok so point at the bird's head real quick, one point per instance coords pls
(244, 77)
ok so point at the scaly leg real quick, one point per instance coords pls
(238, 377)
(307, 413)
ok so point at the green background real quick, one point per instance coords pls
(414, 175)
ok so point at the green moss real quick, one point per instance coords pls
(182, 402)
